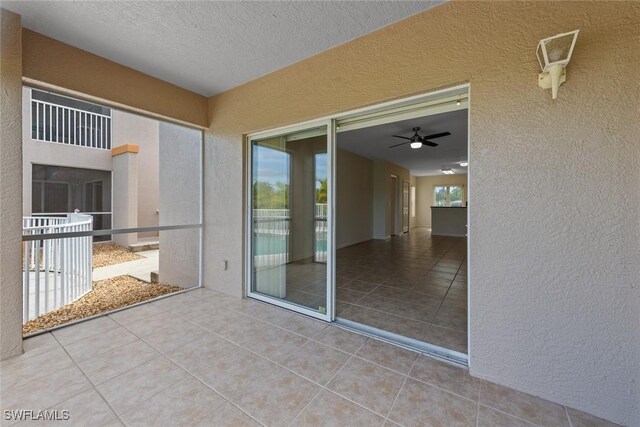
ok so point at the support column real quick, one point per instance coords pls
(10, 185)
(125, 192)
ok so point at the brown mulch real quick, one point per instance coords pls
(106, 295)
(105, 254)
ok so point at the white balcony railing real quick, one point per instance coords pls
(67, 125)
(271, 229)
(56, 271)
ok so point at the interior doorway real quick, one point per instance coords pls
(408, 282)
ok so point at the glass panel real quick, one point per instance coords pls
(440, 196)
(289, 217)
(455, 196)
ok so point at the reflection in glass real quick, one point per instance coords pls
(289, 218)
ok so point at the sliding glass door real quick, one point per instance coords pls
(289, 220)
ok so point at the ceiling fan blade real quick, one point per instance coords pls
(402, 143)
(403, 137)
(436, 135)
(430, 143)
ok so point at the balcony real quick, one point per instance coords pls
(201, 357)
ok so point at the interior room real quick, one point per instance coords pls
(401, 260)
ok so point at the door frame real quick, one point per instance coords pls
(422, 99)
(329, 315)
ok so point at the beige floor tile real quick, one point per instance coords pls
(39, 344)
(445, 337)
(329, 409)
(270, 341)
(341, 339)
(488, 417)
(173, 335)
(370, 385)
(186, 403)
(387, 355)
(264, 390)
(135, 313)
(83, 330)
(451, 378)
(22, 369)
(420, 404)
(85, 409)
(96, 344)
(522, 405)
(303, 325)
(581, 419)
(45, 392)
(197, 355)
(112, 363)
(129, 389)
(316, 361)
(219, 319)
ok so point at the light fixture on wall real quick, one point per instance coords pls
(416, 144)
(554, 53)
(448, 171)
(464, 164)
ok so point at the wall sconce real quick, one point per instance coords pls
(554, 53)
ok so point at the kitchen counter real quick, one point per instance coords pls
(448, 221)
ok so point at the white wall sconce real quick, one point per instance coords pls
(554, 53)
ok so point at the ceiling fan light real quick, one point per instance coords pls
(416, 144)
(464, 164)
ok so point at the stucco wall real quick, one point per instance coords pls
(180, 159)
(49, 61)
(555, 226)
(10, 185)
(130, 128)
(424, 194)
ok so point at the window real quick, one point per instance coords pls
(449, 196)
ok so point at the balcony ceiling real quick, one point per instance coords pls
(209, 47)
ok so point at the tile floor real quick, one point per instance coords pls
(203, 358)
(413, 285)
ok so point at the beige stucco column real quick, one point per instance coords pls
(10, 185)
(125, 191)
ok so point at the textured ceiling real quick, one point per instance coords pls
(373, 143)
(209, 46)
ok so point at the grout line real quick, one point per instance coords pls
(90, 382)
(404, 381)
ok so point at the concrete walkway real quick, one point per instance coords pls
(140, 268)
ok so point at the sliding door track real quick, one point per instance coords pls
(441, 353)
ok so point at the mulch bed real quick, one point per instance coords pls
(106, 295)
(105, 254)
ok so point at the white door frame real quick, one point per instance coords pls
(349, 120)
(329, 315)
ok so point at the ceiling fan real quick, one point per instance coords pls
(417, 140)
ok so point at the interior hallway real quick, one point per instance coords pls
(413, 285)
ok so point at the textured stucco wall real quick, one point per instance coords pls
(10, 185)
(180, 159)
(555, 226)
(52, 62)
(424, 194)
(130, 128)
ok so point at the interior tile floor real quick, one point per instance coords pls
(413, 285)
(203, 358)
